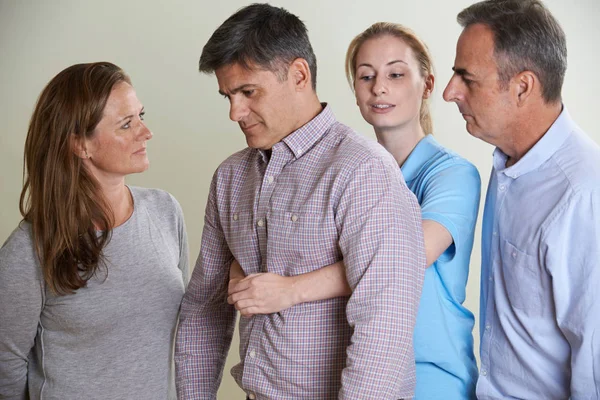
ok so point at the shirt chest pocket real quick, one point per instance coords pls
(301, 242)
(522, 279)
(241, 235)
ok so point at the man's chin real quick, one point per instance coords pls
(477, 134)
(256, 144)
(472, 130)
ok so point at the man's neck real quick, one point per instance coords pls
(530, 130)
(307, 111)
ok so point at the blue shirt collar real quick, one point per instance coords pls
(424, 150)
(541, 151)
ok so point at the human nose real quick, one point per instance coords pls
(452, 92)
(379, 86)
(145, 133)
(238, 109)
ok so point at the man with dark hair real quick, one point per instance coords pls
(307, 192)
(540, 273)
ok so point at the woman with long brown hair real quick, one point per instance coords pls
(92, 278)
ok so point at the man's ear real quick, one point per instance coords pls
(525, 83)
(78, 147)
(299, 72)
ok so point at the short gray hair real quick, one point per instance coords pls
(268, 36)
(527, 37)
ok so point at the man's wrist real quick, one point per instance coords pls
(296, 289)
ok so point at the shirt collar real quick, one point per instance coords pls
(424, 150)
(541, 151)
(303, 139)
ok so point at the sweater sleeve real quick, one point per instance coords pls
(21, 302)
(184, 257)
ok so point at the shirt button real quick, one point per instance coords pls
(294, 218)
(502, 188)
(270, 179)
(495, 233)
(483, 372)
(235, 217)
(252, 354)
(514, 254)
(491, 279)
(488, 327)
(260, 222)
(251, 396)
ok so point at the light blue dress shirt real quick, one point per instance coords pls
(540, 273)
(448, 189)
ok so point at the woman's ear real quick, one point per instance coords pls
(429, 84)
(78, 147)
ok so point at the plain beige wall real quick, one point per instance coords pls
(159, 43)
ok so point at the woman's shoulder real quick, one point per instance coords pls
(19, 250)
(157, 205)
(153, 198)
(447, 162)
(20, 238)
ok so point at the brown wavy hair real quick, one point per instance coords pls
(71, 219)
(405, 34)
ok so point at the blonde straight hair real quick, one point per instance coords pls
(419, 49)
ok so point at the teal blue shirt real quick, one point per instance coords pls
(447, 187)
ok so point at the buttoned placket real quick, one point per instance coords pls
(503, 183)
(280, 157)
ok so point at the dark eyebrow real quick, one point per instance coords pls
(129, 116)
(390, 63)
(462, 72)
(238, 89)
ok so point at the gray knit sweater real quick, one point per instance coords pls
(109, 340)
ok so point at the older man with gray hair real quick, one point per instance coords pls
(540, 278)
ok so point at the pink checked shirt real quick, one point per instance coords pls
(326, 194)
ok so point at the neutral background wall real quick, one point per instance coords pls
(159, 43)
